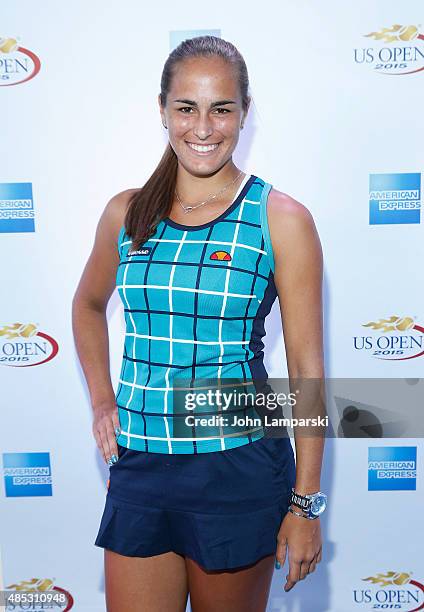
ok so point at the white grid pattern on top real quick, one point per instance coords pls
(224, 303)
(233, 244)
(171, 319)
(127, 432)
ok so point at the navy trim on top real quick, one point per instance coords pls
(222, 216)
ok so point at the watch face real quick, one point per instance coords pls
(319, 503)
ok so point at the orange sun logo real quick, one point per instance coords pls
(221, 256)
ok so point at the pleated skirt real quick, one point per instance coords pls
(222, 509)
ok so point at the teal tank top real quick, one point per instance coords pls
(195, 300)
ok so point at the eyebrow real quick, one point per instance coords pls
(193, 103)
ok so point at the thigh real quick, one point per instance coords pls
(243, 589)
(137, 584)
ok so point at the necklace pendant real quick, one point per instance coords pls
(188, 209)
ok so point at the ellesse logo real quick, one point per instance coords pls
(143, 251)
(221, 256)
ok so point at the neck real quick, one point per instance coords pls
(196, 188)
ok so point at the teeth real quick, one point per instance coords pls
(202, 148)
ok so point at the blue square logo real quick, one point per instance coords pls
(16, 207)
(27, 474)
(392, 468)
(395, 198)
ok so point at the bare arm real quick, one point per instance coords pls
(298, 279)
(89, 322)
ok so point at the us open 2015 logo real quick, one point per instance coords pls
(38, 594)
(390, 591)
(398, 50)
(395, 338)
(17, 64)
(23, 345)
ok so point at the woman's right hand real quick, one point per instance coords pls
(105, 422)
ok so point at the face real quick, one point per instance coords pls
(203, 113)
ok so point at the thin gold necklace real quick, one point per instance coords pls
(188, 207)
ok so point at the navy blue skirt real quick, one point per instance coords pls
(222, 509)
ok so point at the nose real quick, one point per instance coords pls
(203, 126)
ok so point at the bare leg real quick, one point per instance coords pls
(242, 590)
(141, 584)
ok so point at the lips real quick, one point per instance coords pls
(203, 149)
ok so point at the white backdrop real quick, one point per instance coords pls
(87, 126)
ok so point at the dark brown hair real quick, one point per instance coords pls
(152, 202)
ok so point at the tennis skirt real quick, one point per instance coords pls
(223, 509)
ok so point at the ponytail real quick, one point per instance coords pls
(150, 204)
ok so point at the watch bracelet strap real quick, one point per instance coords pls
(303, 507)
(303, 503)
(309, 518)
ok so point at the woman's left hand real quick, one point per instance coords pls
(303, 538)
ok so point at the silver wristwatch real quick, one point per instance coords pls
(312, 504)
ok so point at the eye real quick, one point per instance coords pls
(223, 109)
(184, 108)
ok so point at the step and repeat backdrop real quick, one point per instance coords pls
(335, 121)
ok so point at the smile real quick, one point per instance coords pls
(203, 149)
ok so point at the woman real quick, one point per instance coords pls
(188, 510)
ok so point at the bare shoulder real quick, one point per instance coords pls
(291, 226)
(283, 208)
(114, 212)
(118, 204)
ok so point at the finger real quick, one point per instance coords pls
(293, 575)
(304, 570)
(98, 441)
(319, 555)
(312, 566)
(281, 551)
(105, 444)
(115, 420)
(113, 446)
